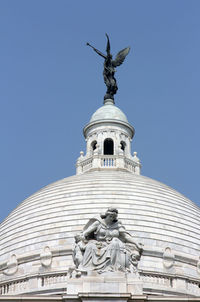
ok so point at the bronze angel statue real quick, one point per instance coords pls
(109, 68)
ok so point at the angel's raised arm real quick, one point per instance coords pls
(97, 51)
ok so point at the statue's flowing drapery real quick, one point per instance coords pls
(105, 249)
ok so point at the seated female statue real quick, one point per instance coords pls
(105, 245)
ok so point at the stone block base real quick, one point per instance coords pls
(118, 284)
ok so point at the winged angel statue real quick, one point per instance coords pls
(109, 68)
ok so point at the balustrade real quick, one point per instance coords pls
(106, 162)
(22, 286)
(158, 279)
(193, 287)
(13, 287)
(53, 279)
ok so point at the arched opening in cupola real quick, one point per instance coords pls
(108, 146)
(93, 147)
(123, 145)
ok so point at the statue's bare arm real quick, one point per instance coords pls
(127, 238)
(97, 51)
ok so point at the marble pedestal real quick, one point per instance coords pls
(117, 283)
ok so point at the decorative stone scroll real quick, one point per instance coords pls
(104, 245)
(46, 257)
(12, 266)
(168, 258)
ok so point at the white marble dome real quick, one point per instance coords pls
(37, 238)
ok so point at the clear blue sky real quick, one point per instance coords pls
(51, 83)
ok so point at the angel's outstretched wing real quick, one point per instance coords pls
(108, 45)
(120, 57)
(88, 225)
(90, 222)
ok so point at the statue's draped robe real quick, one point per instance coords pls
(105, 250)
(109, 79)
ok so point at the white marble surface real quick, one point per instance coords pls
(155, 214)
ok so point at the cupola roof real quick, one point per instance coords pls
(108, 112)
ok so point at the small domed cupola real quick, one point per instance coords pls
(108, 136)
